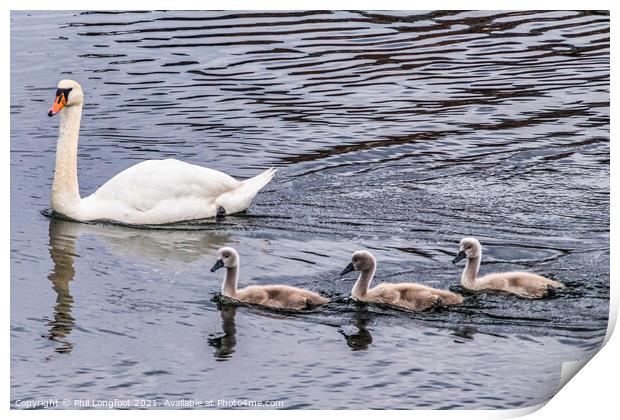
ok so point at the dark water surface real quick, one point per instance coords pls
(399, 132)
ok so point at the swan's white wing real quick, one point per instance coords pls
(159, 191)
(147, 183)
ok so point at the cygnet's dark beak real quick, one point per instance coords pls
(347, 269)
(218, 264)
(459, 257)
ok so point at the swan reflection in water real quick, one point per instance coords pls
(360, 339)
(62, 251)
(225, 343)
(465, 332)
(157, 246)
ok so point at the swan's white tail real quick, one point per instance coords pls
(259, 181)
(241, 198)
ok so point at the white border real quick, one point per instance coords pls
(592, 394)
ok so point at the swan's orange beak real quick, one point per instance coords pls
(59, 103)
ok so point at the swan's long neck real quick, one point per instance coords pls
(229, 287)
(470, 273)
(360, 288)
(66, 190)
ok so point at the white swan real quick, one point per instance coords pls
(150, 192)
(273, 296)
(409, 296)
(526, 285)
